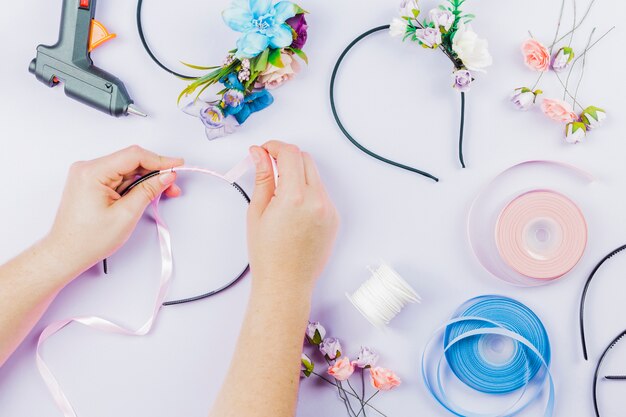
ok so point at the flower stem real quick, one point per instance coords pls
(582, 70)
(571, 39)
(576, 26)
(576, 103)
(345, 397)
(363, 388)
(558, 26)
(356, 394)
(323, 378)
(367, 403)
(537, 82)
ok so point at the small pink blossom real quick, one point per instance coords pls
(342, 369)
(383, 379)
(536, 56)
(558, 110)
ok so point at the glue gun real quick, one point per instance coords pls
(69, 62)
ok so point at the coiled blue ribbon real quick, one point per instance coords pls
(495, 345)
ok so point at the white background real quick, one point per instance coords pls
(397, 99)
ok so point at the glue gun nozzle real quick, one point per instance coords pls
(135, 111)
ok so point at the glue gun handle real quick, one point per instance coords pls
(75, 30)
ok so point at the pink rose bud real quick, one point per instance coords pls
(536, 56)
(315, 333)
(331, 348)
(367, 358)
(342, 369)
(383, 379)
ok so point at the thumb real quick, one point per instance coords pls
(143, 194)
(264, 186)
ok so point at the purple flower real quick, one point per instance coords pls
(331, 348)
(523, 98)
(315, 333)
(233, 98)
(429, 37)
(367, 358)
(300, 27)
(212, 117)
(462, 80)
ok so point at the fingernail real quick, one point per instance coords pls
(167, 179)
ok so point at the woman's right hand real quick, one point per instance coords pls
(291, 226)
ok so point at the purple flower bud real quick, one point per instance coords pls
(366, 359)
(315, 333)
(523, 98)
(562, 59)
(331, 348)
(462, 80)
(300, 27)
(575, 132)
(307, 365)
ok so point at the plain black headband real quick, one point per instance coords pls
(201, 296)
(149, 51)
(583, 298)
(363, 148)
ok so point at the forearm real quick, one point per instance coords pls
(28, 284)
(264, 375)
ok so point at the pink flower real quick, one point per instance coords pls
(383, 379)
(342, 369)
(274, 77)
(536, 55)
(558, 110)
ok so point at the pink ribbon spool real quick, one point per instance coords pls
(522, 232)
(541, 234)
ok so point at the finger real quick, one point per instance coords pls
(128, 160)
(264, 186)
(143, 194)
(173, 191)
(128, 179)
(290, 164)
(310, 171)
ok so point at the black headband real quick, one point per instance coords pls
(207, 294)
(457, 65)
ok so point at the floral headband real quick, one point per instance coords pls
(446, 29)
(273, 35)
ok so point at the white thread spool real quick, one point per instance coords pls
(383, 296)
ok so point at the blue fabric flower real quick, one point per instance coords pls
(251, 103)
(262, 24)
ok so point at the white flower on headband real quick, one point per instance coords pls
(398, 27)
(472, 50)
(408, 8)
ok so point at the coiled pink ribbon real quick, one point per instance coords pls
(107, 326)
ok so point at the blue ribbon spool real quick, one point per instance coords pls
(494, 345)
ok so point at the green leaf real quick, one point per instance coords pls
(300, 10)
(301, 54)
(198, 67)
(274, 58)
(260, 64)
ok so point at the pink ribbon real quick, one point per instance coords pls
(107, 326)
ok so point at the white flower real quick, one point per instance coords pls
(575, 132)
(523, 99)
(408, 8)
(471, 49)
(429, 37)
(367, 358)
(593, 117)
(398, 27)
(442, 18)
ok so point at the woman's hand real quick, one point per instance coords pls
(292, 226)
(93, 221)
